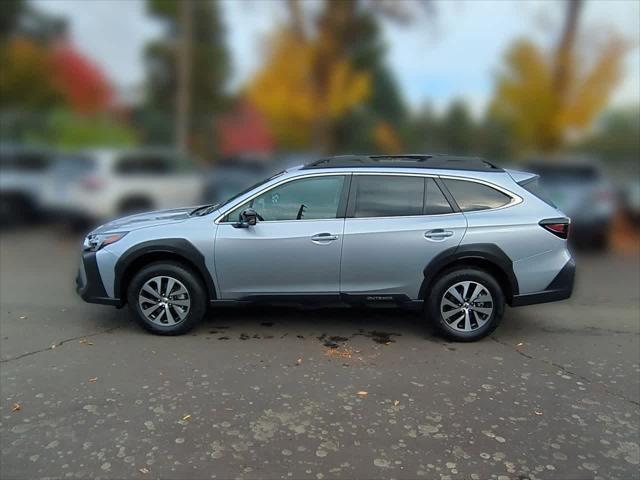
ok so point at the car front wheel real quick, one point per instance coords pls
(167, 298)
(465, 304)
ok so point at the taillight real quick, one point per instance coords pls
(92, 182)
(558, 226)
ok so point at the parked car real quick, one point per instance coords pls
(631, 199)
(96, 185)
(23, 174)
(459, 237)
(582, 190)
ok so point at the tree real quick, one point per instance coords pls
(546, 96)
(307, 84)
(343, 67)
(208, 73)
(457, 128)
(25, 80)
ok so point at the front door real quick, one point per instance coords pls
(294, 248)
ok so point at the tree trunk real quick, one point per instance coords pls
(183, 94)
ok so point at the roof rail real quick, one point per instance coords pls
(437, 160)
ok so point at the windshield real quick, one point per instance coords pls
(247, 190)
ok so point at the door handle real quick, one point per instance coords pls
(438, 234)
(324, 237)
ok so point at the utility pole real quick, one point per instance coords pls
(183, 63)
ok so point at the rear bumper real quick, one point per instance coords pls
(89, 283)
(560, 288)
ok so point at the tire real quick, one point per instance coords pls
(480, 317)
(186, 306)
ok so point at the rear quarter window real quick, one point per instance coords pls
(534, 188)
(473, 196)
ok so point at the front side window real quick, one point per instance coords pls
(388, 196)
(472, 196)
(305, 199)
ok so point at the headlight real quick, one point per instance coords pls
(95, 241)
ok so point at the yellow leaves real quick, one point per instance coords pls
(542, 112)
(592, 94)
(346, 88)
(303, 83)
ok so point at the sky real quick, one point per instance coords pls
(455, 54)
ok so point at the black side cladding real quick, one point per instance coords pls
(485, 252)
(178, 247)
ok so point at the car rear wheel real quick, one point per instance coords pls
(167, 298)
(465, 304)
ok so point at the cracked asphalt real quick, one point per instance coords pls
(554, 393)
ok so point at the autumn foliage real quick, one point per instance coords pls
(38, 76)
(542, 114)
(295, 99)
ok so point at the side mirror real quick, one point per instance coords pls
(248, 218)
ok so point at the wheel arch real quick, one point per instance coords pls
(488, 257)
(170, 250)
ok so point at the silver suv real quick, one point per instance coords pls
(459, 237)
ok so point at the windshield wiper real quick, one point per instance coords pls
(203, 209)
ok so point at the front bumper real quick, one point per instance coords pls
(560, 288)
(89, 283)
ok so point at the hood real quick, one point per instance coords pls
(147, 219)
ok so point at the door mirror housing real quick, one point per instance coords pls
(248, 218)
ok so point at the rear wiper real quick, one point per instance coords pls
(203, 209)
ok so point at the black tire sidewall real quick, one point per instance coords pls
(193, 285)
(452, 277)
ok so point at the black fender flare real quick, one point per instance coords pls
(483, 252)
(174, 247)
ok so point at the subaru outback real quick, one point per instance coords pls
(457, 237)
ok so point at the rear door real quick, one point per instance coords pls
(396, 224)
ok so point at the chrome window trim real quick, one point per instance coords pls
(515, 199)
(219, 221)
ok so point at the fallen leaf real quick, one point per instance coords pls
(362, 393)
(396, 402)
(93, 380)
(186, 417)
(15, 407)
(144, 470)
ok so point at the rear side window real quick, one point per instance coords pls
(533, 187)
(24, 161)
(388, 196)
(144, 165)
(435, 202)
(472, 196)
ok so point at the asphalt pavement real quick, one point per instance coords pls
(303, 393)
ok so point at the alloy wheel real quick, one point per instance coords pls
(466, 306)
(164, 301)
